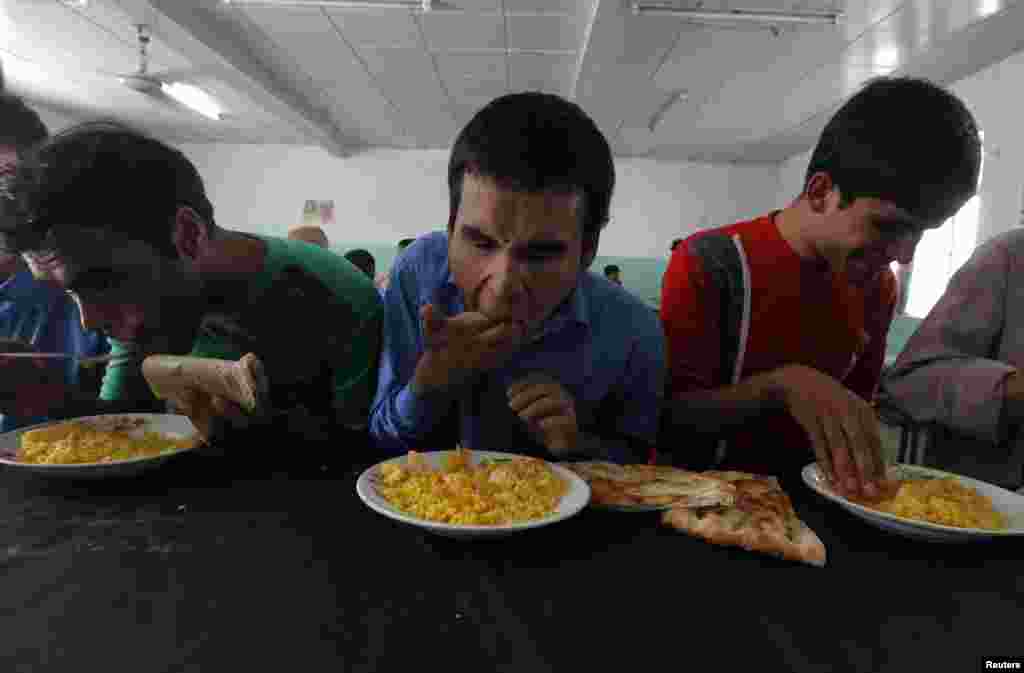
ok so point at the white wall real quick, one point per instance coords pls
(384, 195)
(791, 177)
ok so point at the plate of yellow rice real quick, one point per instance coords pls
(931, 504)
(94, 447)
(468, 494)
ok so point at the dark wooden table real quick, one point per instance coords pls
(214, 565)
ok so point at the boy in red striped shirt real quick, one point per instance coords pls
(776, 327)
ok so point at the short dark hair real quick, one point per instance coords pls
(536, 142)
(20, 125)
(362, 259)
(405, 243)
(675, 243)
(101, 175)
(904, 140)
(612, 268)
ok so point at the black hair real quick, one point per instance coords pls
(20, 125)
(612, 268)
(101, 175)
(405, 243)
(675, 244)
(536, 142)
(362, 259)
(904, 140)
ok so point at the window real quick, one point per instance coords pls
(939, 254)
(942, 252)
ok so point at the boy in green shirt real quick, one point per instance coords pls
(122, 222)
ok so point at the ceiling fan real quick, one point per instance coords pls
(164, 88)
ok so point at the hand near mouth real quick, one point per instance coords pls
(457, 347)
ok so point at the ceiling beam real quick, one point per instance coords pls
(206, 35)
(584, 48)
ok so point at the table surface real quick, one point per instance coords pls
(213, 565)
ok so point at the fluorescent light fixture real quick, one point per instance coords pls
(887, 58)
(77, 4)
(737, 15)
(408, 5)
(193, 98)
(987, 7)
(660, 114)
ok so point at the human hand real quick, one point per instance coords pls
(842, 427)
(459, 346)
(548, 410)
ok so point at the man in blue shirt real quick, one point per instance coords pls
(495, 334)
(33, 313)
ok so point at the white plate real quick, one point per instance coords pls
(168, 424)
(1009, 503)
(572, 502)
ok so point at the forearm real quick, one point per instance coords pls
(966, 394)
(711, 412)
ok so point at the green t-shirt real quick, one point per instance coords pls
(314, 320)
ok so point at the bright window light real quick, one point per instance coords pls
(193, 98)
(939, 254)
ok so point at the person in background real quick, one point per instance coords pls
(613, 273)
(384, 277)
(962, 367)
(363, 260)
(122, 222)
(308, 234)
(776, 327)
(34, 316)
(495, 334)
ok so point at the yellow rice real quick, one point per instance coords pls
(522, 489)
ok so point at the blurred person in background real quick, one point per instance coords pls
(34, 316)
(384, 277)
(363, 260)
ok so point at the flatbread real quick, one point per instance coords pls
(191, 383)
(761, 519)
(649, 485)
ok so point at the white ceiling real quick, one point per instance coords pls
(352, 79)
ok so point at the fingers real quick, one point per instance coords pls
(501, 335)
(560, 434)
(812, 426)
(228, 409)
(874, 451)
(433, 321)
(531, 380)
(858, 481)
(543, 408)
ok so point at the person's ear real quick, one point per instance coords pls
(191, 234)
(820, 192)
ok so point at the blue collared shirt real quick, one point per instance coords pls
(603, 345)
(48, 319)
